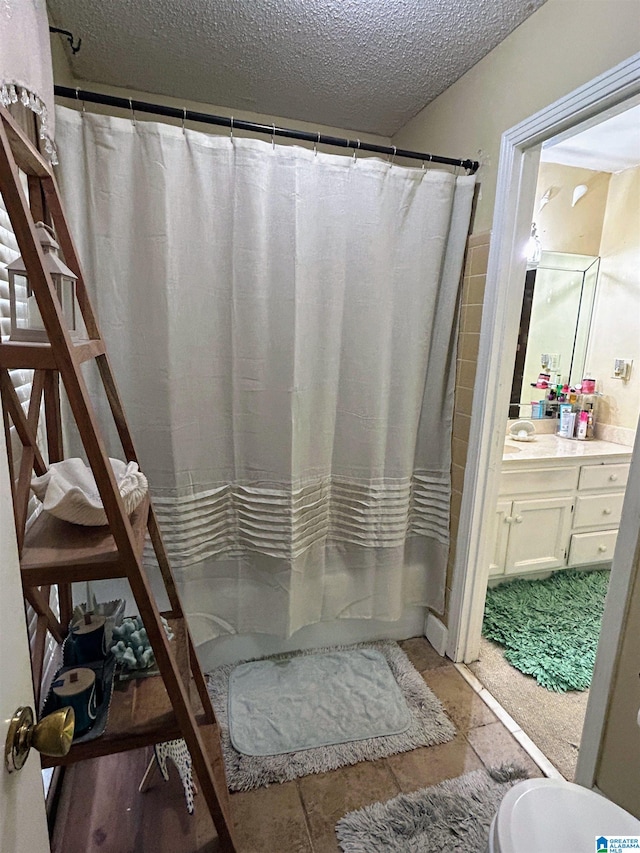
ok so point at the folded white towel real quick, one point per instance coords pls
(68, 490)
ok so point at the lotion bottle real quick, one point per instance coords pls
(582, 425)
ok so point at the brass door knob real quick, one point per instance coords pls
(51, 736)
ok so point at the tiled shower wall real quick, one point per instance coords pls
(473, 284)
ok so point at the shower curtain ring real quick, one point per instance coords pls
(273, 137)
(133, 115)
(315, 145)
(184, 118)
(231, 130)
(392, 157)
(357, 148)
(78, 99)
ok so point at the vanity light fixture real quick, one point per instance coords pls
(546, 198)
(579, 192)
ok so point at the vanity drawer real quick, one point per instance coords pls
(592, 547)
(598, 510)
(604, 476)
(533, 481)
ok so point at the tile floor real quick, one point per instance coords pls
(307, 812)
(300, 816)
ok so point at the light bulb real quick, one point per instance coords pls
(534, 248)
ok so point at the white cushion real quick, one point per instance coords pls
(68, 490)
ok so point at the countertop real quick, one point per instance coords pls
(551, 446)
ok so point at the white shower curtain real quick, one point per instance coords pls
(282, 328)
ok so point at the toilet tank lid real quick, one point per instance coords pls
(551, 814)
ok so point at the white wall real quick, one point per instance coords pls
(619, 771)
(605, 222)
(615, 330)
(561, 226)
(563, 45)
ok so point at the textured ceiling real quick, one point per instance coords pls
(367, 65)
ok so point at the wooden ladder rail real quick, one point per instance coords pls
(11, 138)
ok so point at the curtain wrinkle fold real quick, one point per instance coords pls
(282, 326)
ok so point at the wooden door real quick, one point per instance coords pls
(23, 823)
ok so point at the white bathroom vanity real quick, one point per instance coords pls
(559, 504)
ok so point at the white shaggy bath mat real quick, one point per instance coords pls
(453, 816)
(427, 725)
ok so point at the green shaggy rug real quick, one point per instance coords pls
(549, 628)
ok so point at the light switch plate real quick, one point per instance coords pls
(622, 368)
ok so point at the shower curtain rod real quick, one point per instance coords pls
(270, 130)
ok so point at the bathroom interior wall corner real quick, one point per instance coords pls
(618, 776)
(562, 227)
(615, 328)
(63, 76)
(559, 48)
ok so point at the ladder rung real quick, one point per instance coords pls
(140, 713)
(55, 551)
(16, 355)
(26, 155)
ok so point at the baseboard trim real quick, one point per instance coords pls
(436, 633)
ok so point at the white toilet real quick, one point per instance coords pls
(555, 816)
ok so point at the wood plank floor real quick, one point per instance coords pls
(101, 810)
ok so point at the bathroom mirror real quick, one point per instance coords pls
(554, 325)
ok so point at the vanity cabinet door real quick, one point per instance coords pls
(500, 538)
(538, 535)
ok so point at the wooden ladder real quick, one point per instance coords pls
(146, 711)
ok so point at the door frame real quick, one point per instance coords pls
(515, 198)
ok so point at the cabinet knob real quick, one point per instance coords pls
(602, 548)
(508, 519)
(606, 511)
(613, 477)
(518, 519)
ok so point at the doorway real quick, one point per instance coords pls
(607, 95)
(581, 305)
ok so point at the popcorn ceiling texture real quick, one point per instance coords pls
(367, 65)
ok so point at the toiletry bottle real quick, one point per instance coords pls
(559, 388)
(582, 425)
(590, 424)
(565, 420)
(572, 395)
